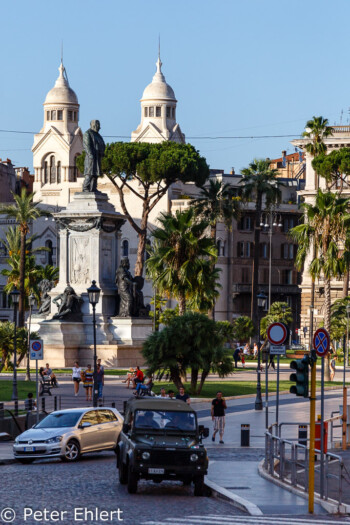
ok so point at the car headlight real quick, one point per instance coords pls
(194, 457)
(56, 439)
(146, 455)
(17, 439)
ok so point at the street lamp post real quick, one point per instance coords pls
(258, 400)
(94, 296)
(31, 304)
(272, 219)
(15, 300)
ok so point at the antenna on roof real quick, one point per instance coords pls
(159, 46)
(341, 116)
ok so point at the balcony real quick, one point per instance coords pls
(288, 289)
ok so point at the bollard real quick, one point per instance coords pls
(16, 407)
(43, 404)
(55, 403)
(245, 435)
(302, 435)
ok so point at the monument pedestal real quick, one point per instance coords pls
(89, 228)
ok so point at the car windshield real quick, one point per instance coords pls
(60, 420)
(165, 420)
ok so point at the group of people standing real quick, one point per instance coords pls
(87, 376)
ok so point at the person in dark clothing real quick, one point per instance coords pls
(100, 380)
(182, 396)
(237, 356)
(218, 407)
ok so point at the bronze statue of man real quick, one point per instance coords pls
(94, 147)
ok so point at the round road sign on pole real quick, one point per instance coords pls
(277, 333)
(321, 342)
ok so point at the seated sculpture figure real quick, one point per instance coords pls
(69, 307)
(129, 292)
(45, 286)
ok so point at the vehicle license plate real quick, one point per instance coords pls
(29, 449)
(155, 471)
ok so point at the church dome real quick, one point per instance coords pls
(158, 89)
(61, 93)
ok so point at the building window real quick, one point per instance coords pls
(158, 111)
(151, 111)
(3, 249)
(53, 115)
(60, 114)
(245, 223)
(5, 300)
(45, 173)
(245, 249)
(47, 115)
(52, 169)
(287, 277)
(248, 250)
(173, 112)
(58, 171)
(146, 112)
(288, 224)
(264, 250)
(75, 116)
(287, 251)
(49, 253)
(70, 115)
(168, 112)
(125, 248)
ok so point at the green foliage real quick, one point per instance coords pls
(178, 262)
(258, 180)
(317, 129)
(159, 302)
(168, 315)
(275, 315)
(339, 318)
(333, 167)
(49, 272)
(243, 328)
(6, 344)
(191, 341)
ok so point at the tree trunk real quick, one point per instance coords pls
(182, 304)
(211, 313)
(175, 377)
(327, 322)
(194, 379)
(255, 280)
(21, 308)
(204, 375)
(346, 283)
(140, 258)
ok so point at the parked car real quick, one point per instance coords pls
(161, 440)
(67, 434)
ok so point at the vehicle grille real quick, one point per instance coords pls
(166, 457)
(32, 441)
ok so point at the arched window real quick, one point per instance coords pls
(218, 247)
(53, 115)
(146, 112)
(45, 173)
(125, 248)
(58, 171)
(47, 115)
(52, 169)
(49, 253)
(158, 111)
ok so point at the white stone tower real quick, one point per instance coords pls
(158, 112)
(57, 145)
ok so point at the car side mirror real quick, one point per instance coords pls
(205, 432)
(200, 429)
(126, 428)
(86, 424)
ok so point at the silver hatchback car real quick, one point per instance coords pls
(69, 433)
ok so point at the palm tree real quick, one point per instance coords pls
(216, 203)
(317, 129)
(24, 211)
(49, 272)
(324, 228)
(259, 181)
(179, 257)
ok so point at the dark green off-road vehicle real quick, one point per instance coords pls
(161, 440)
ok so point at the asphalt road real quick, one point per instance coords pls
(78, 489)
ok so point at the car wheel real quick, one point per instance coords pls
(199, 486)
(132, 481)
(26, 461)
(123, 471)
(71, 451)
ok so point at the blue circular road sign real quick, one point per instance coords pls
(321, 342)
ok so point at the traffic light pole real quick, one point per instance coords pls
(312, 437)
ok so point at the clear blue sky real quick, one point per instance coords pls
(251, 67)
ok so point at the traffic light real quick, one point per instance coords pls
(301, 377)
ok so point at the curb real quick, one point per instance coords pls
(234, 499)
(7, 461)
(331, 506)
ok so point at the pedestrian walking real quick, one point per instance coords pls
(88, 382)
(29, 403)
(272, 362)
(100, 380)
(76, 377)
(332, 367)
(255, 350)
(218, 407)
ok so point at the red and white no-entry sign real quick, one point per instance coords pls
(277, 333)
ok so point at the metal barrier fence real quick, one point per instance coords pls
(289, 462)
